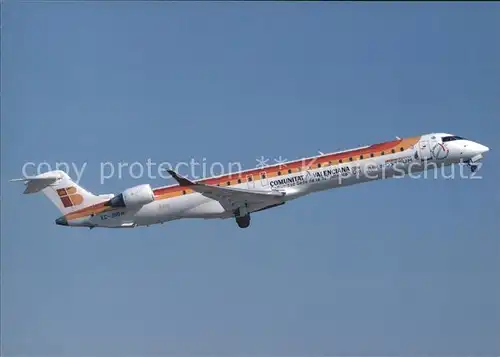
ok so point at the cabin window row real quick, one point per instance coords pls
(279, 173)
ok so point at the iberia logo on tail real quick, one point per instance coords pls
(69, 197)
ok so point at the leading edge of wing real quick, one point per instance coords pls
(201, 187)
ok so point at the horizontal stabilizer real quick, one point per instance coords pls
(64, 193)
(36, 184)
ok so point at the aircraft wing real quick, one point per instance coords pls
(230, 198)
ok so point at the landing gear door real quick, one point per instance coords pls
(424, 150)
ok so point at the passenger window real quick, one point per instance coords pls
(402, 149)
(249, 178)
(350, 159)
(279, 173)
(340, 161)
(184, 192)
(372, 155)
(239, 180)
(393, 151)
(289, 171)
(361, 157)
(263, 176)
(319, 165)
(382, 153)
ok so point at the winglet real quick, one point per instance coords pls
(181, 180)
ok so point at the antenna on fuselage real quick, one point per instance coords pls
(397, 137)
(320, 152)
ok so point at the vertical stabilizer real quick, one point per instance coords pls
(61, 190)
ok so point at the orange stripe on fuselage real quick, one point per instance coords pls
(162, 193)
(87, 211)
(295, 166)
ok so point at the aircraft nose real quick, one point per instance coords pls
(475, 148)
(62, 221)
(483, 148)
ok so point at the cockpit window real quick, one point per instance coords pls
(451, 138)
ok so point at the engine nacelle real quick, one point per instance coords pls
(133, 197)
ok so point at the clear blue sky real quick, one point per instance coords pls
(400, 267)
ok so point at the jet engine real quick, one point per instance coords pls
(133, 197)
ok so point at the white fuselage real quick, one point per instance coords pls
(312, 175)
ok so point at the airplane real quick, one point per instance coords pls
(237, 195)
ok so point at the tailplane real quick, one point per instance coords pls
(61, 190)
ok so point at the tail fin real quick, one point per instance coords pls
(61, 190)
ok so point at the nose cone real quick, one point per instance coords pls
(483, 148)
(477, 149)
(62, 221)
